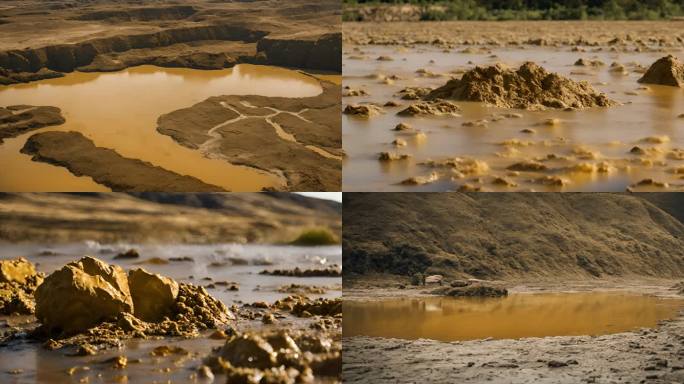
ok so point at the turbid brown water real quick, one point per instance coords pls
(580, 138)
(119, 110)
(513, 317)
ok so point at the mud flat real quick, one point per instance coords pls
(17, 119)
(56, 54)
(601, 118)
(81, 157)
(652, 354)
(298, 138)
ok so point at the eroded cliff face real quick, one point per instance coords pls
(299, 36)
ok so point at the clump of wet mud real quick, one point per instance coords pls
(277, 357)
(18, 282)
(668, 70)
(89, 303)
(474, 290)
(330, 271)
(18, 119)
(528, 87)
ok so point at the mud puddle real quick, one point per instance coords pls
(218, 267)
(119, 110)
(516, 316)
(575, 139)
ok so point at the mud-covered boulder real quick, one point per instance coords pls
(527, 87)
(82, 294)
(17, 270)
(249, 350)
(153, 295)
(668, 70)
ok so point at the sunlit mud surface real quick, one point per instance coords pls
(513, 317)
(119, 110)
(584, 150)
(207, 264)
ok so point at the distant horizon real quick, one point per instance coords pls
(335, 196)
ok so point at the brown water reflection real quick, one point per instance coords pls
(516, 316)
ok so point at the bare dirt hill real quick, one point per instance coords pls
(163, 217)
(499, 235)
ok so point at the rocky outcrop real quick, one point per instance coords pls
(668, 70)
(82, 294)
(89, 292)
(528, 87)
(81, 157)
(18, 119)
(153, 295)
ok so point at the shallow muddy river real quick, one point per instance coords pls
(119, 110)
(218, 262)
(601, 135)
(516, 316)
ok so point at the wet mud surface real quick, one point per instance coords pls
(649, 354)
(261, 307)
(399, 70)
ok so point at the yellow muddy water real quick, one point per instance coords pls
(119, 110)
(581, 139)
(516, 316)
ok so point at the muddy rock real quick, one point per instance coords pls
(331, 271)
(478, 290)
(18, 119)
(528, 87)
(366, 110)
(249, 350)
(17, 270)
(668, 70)
(18, 282)
(82, 294)
(130, 254)
(153, 295)
(431, 108)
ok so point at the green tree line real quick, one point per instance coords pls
(535, 9)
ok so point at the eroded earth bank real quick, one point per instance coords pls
(170, 287)
(54, 53)
(513, 106)
(515, 288)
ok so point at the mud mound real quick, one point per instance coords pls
(18, 119)
(18, 282)
(91, 293)
(278, 357)
(82, 157)
(506, 235)
(666, 71)
(527, 87)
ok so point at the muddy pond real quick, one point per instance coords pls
(513, 317)
(572, 146)
(119, 110)
(200, 265)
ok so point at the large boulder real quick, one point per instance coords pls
(82, 294)
(666, 71)
(153, 295)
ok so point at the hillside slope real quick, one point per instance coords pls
(509, 235)
(162, 217)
